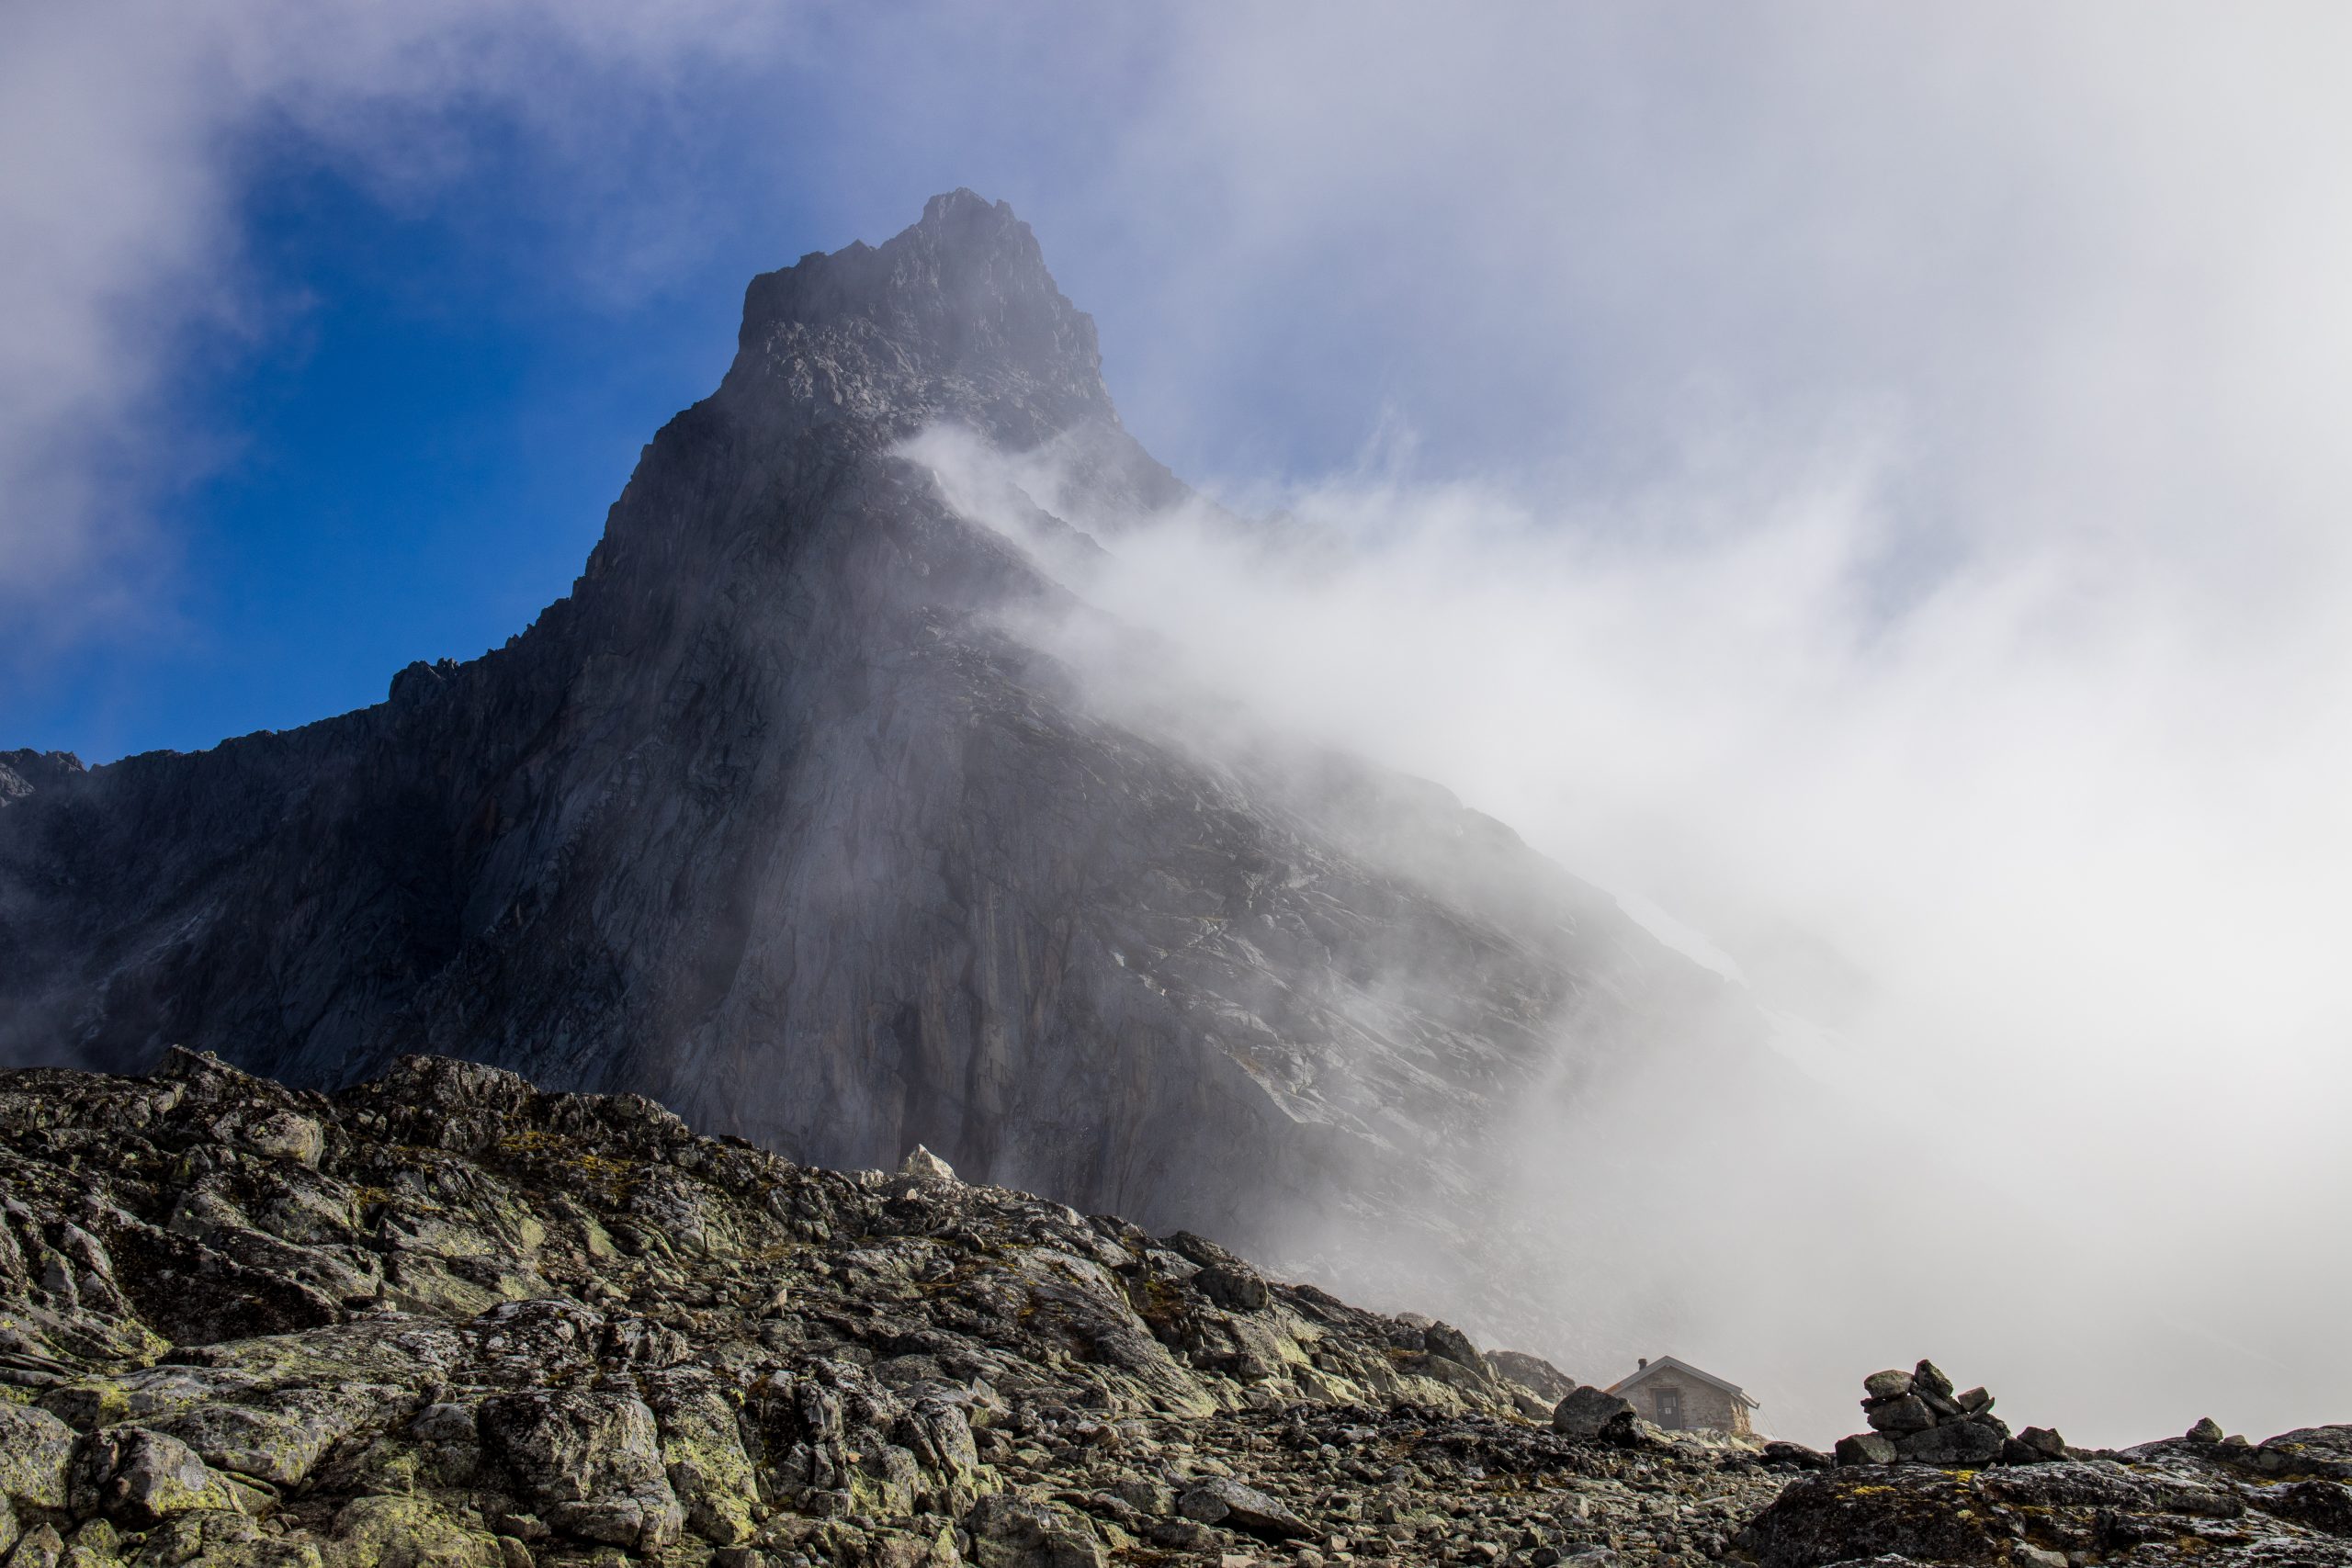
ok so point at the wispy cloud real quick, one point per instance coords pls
(2024, 857)
(131, 139)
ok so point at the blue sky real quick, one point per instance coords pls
(399, 440)
(411, 459)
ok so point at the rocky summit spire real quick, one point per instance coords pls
(955, 318)
(776, 819)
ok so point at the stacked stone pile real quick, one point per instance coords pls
(1916, 1417)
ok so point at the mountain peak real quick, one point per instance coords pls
(966, 207)
(955, 317)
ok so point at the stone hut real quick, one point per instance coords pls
(1680, 1398)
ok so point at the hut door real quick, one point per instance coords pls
(1670, 1408)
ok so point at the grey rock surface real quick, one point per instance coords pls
(1904, 1413)
(1866, 1448)
(2102, 1510)
(1220, 1500)
(564, 1331)
(1591, 1412)
(1887, 1386)
(528, 1359)
(1953, 1442)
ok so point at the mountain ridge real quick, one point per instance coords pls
(773, 819)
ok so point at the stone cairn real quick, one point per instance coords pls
(1915, 1418)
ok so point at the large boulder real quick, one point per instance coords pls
(1953, 1442)
(1866, 1448)
(1219, 1500)
(407, 1532)
(702, 1452)
(590, 1461)
(281, 1441)
(139, 1478)
(1016, 1532)
(922, 1164)
(1840, 1515)
(1905, 1413)
(1533, 1374)
(35, 1450)
(1591, 1412)
(1444, 1339)
(2035, 1445)
(1887, 1386)
(1234, 1286)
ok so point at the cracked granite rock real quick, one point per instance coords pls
(503, 1328)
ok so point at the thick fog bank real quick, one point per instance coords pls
(2015, 854)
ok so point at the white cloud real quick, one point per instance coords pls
(129, 133)
(2042, 845)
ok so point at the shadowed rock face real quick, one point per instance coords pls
(770, 819)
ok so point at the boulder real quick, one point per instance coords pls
(1234, 1286)
(36, 1449)
(1866, 1448)
(1444, 1339)
(1589, 1412)
(1905, 1412)
(1954, 1442)
(280, 1442)
(1928, 1378)
(1975, 1402)
(282, 1134)
(2206, 1430)
(139, 1478)
(2035, 1445)
(1533, 1373)
(922, 1164)
(41, 1548)
(408, 1532)
(590, 1461)
(1842, 1516)
(2324, 1505)
(1887, 1386)
(1796, 1455)
(1016, 1532)
(1220, 1500)
(702, 1452)
(1144, 1494)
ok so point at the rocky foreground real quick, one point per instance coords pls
(444, 1318)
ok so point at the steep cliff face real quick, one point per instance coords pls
(774, 820)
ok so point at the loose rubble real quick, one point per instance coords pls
(446, 1318)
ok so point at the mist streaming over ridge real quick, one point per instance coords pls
(2025, 880)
